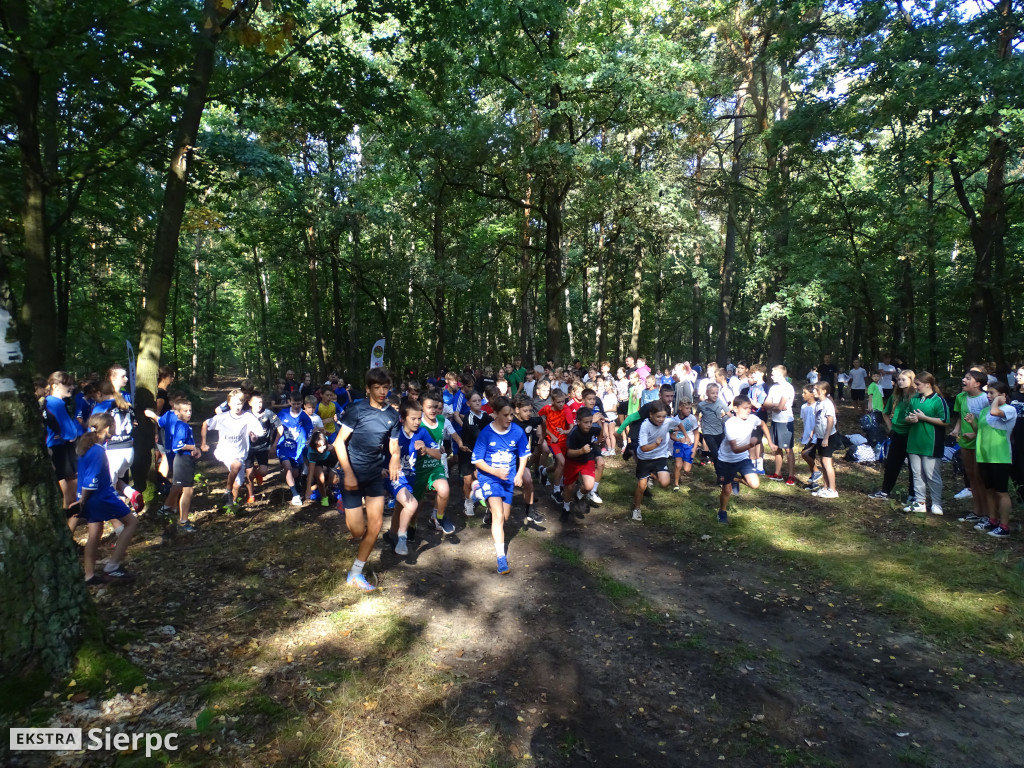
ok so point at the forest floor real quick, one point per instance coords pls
(805, 632)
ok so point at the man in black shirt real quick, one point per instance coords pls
(366, 429)
(827, 371)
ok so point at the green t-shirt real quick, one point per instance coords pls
(927, 439)
(875, 393)
(963, 405)
(516, 378)
(898, 411)
(425, 463)
(994, 443)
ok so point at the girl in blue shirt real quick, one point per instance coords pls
(99, 502)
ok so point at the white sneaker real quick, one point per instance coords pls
(469, 508)
(829, 493)
(594, 498)
(916, 508)
(296, 501)
(936, 509)
(966, 493)
(637, 515)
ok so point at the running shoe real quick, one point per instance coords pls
(138, 502)
(118, 574)
(468, 508)
(557, 496)
(735, 488)
(723, 516)
(675, 489)
(828, 493)
(485, 521)
(790, 480)
(543, 475)
(324, 501)
(985, 526)
(637, 515)
(533, 516)
(936, 509)
(186, 527)
(296, 501)
(446, 525)
(815, 477)
(775, 476)
(878, 495)
(970, 517)
(359, 582)
(918, 509)
(999, 532)
(966, 493)
(594, 499)
(314, 495)
(402, 546)
(252, 500)
(477, 494)
(503, 565)
(814, 488)
(434, 523)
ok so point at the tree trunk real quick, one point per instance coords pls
(314, 303)
(555, 191)
(38, 326)
(264, 300)
(165, 249)
(725, 299)
(440, 332)
(931, 244)
(638, 263)
(45, 604)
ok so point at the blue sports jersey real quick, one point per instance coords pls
(177, 433)
(124, 423)
(83, 407)
(297, 429)
(500, 451)
(343, 399)
(459, 405)
(407, 450)
(60, 427)
(94, 475)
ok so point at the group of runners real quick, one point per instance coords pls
(390, 446)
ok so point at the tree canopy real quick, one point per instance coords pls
(260, 185)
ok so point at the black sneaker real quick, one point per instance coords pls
(533, 516)
(389, 539)
(485, 521)
(557, 496)
(118, 574)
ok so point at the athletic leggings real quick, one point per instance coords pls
(894, 462)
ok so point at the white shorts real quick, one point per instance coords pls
(120, 461)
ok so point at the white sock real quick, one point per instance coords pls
(499, 548)
(357, 568)
(579, 494)
(595, 487)
(558, 489)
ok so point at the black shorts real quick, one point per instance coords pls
(369, 487)
(995, 477)
(623, 408)
(825, 451)
(65, 461)
(857, 394)
(258, 458)
(645, 467)
(466, 463)
(184, 473)
(329, 463)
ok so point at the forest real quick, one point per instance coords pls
(234, 185)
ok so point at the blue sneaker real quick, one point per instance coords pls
(446, 525)
(359, 582)
(735, 488)
(314, 496)
(503, 565)
(723, 516)
(815, 477)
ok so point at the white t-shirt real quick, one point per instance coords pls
(812, 377)
(233, 434)
(649, 433)
(858, 378)
(843, 378)
(528, 388)
(822, 410)
(886, 371)
(779, 393)
(807, 417)
(739, 430)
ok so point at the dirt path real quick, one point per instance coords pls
(609, 641)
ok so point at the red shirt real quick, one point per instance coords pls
(555, 420)
(571, 407)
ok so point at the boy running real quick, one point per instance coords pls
(366, 428)
(733, 458)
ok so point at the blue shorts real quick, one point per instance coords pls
(101, 510)
(490, 486)
(683, 451)
(399, 484)
(289, 455)
(729, 471)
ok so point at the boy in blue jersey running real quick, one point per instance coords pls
(295, 429)
(368, 427)
(498, 448)
(414, 441)
(181, 455)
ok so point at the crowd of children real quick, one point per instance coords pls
(390, 447)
